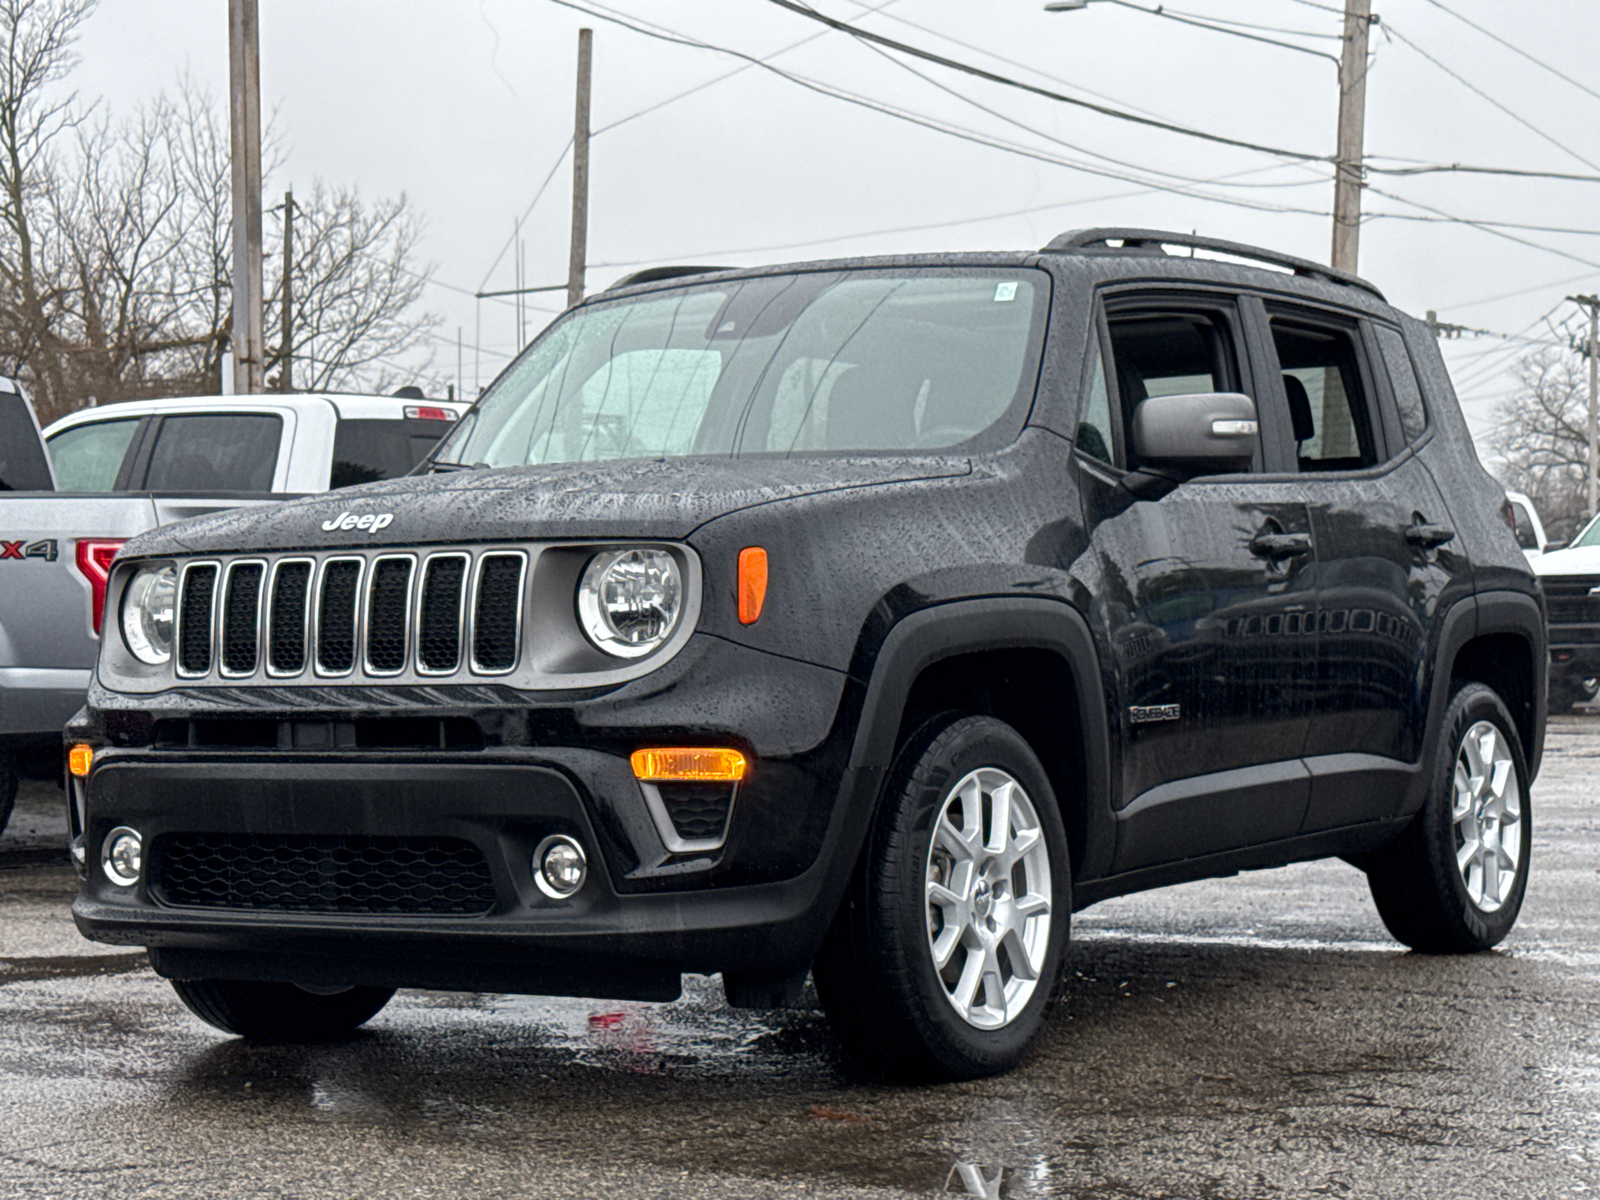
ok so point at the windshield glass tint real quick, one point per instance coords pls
(827, 362)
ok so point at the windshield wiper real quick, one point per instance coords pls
(436, 467)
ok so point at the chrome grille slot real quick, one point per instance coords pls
(290, 617)
(195, 608)
(241, 617)
(497, 613)
(441, 613)
(388, 615)
(338, 601)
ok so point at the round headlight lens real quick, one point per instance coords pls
(148, 607)
(629, 601)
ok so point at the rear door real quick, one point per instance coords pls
(1386, 554)
(1208, 609)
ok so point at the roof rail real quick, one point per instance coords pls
(655, 274)
(1151, 241)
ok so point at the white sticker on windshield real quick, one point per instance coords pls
(1004, 292)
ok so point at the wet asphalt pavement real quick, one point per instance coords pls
(1253, 1037)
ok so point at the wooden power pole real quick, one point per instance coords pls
(1592, 305)
(578, 263)
(244, 86)
(286, 349)
(1347, 179)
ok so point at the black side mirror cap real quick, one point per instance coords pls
(1201, 433)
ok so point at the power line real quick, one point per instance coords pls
(1190, 19)
(1466, 169)
(1007, 81)
(1521, 291)
(1478, 91)
(1538, 62)
(1486, 228)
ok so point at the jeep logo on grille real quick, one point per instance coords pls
(370, 522)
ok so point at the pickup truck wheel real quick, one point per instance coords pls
(946, 956)
(8, 785)
(1566, 694)
(1453, 882)
(279, 1012)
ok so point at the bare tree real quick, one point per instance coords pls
(1541, 436)
(356, 322)
(115, 243)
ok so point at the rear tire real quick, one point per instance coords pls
(1453, 882)
(279, 1012)
(946, 955)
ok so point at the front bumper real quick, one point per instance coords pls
(607, 940)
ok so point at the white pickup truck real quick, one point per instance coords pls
(116, 471)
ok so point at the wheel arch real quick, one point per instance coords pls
(1030, 662)
(1503, 647)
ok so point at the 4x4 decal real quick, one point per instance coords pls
(46, 549)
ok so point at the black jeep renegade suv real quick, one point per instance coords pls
(863, 617)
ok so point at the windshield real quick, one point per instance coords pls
(842, 361)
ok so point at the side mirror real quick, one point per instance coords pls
(1205, 433)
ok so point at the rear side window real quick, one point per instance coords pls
(1327, 404)
(1403, 382)
(365, 451)
(22, 462)
(88, 458)
(233, 452)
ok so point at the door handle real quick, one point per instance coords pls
(1280, 545)
(1429, 536)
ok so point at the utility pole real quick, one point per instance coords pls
(580, 173)
(244, 87)
(1348, 170)
(286, 351)
(1592, 305)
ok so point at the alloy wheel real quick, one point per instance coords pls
(1486, 814)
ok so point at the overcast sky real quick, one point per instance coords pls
(466, 106)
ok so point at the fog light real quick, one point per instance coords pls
(559, 866)
(122, 856)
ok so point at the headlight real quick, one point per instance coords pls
(147, 611)
(629, 601)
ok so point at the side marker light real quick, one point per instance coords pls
(752, 584)
(79, 759)
(688, 764)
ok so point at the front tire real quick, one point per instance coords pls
(280, 1012)
(1453, 882)
(946, 956)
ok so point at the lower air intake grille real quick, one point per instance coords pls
(239, 619)
(194, 646)
(403, 876)
(699, 812)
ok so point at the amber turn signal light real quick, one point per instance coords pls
(688, 764)
(752, 583)
(79, 759)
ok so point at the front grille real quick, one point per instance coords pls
(241, 618)
(1568, 600)
(388, 610)
(499, 611)
(194, 619)
(374, 615)
(336, 616)
(397, 876)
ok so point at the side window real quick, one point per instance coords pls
(1094, 431)
(1166, 353)
(235, 452)
(88, 458)
(1327, 404)
(1526, 537)
(1403, 382)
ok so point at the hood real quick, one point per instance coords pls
(1579, 560)
(628, 499)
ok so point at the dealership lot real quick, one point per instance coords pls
(1255, 1036)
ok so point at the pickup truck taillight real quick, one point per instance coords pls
(94, 560)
